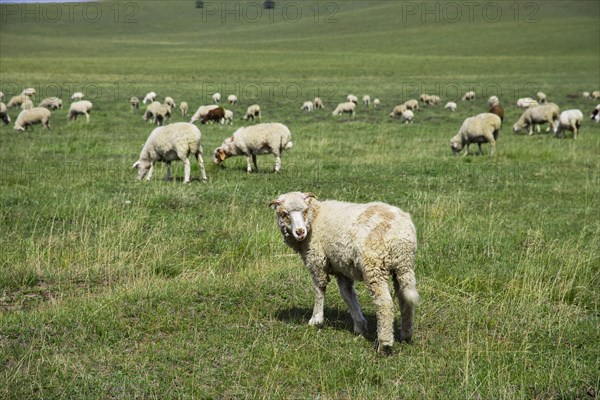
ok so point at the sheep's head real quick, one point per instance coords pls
(517, 128)
(456, 146)
(295, 211)
(142, 167)
(223, 151)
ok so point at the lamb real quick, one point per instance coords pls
(252, 112)
(4, 114)
(569, 120)
(307, 106)
(254, 140)
(367, 242)
(36, 115)
(352, 98)
(232, 99)
(408, 116)
(51, 103)
(229, 117)
(541, 97)
(183, 107)
(366, 100)
(376, 103)
(398, 110)
(149, 98)
(170, 102)
(318, 103)
(80, 107)
(170, 143)
(526, 102)
(469, 96)
(135, 103)
(345, 108)
(450, 106)
(215, 115)
(27, 104)
(216, 97)
(202, 111)
(77, 96)
(595, 116)
(482, 128)
(538, 115)
(412, 104)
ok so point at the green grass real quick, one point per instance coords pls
(110, 288)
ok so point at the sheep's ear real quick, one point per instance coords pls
(275, 203)
(310, 195)
(222, 155)
(135, 165)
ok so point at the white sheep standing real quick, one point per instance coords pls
(345, 108)
(469, 96)
(352, 98)
(82, 107)
(228, 117)
(170, 102)
(482, 128)
(376, 103)
(541, 97)
(569, 120)
(135, 103)
(270, 138)
(367, 242)
(149, 98)
(77, 96)
(232, 99)
(412, 104)
(366, 100)
(36, 115)
(450, 106)
(184, 107)
(307, 106)
(216, 97)
(546, 113)
(252, 112)
(318, 103)
(4, 114)
(202, 111)
(171, 143)
(408, 116)
(51, 103)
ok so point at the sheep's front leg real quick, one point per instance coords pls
(349, 295)
(254, 162)
(87, 118)
(150, 171)
(277, 163)
(168, 176)
(318, 315)
(187, 170)
(248, 160)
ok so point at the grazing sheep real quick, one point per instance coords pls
(78, 108)
(170, 102)
(498, 110)
(469, 96)
(37, 115)
(412, 104)
(429, 99)
(482, 128)
(254, 140)
(183, 107)
(398, 110)
(16, 101)
(232, 99)
(77, 96)
(4, 114)
(216, 97)
(569, 120)
(229, 117)
(252, 112)
(367, 242)
(352, 98)
(595, 95)
(151, 111)
(51, 103)
(135, 103)
(366, 100)
(27, 104)
(586, 95)
(318, 103)
(408, 116)
(29, 92)
(541, 97)
(595, 116)
(345, 108)
(376, 103)
(149, 98)
(307, 106)
(162, 114)
(538, 115)
(202, 111)
(493, 100)
(450, 106)
(526, 102)
(214, 115)
(171, 143)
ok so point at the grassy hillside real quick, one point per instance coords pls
(114, 288)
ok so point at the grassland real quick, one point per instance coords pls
(110, 288)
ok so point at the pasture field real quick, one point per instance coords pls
(112, 288)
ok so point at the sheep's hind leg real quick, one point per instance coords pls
(254, 162)
(408, 298)
(384, 307)
(168, 176)
(346, 287)
(187, 170)
(201, 164)
(277, 163)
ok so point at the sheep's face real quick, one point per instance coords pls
(294, 214)
(456, 147)
(142, 168)
(516, 128)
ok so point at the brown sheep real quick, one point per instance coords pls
(217, 115)
(498, 110)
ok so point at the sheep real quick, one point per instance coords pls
(367, 242)
(80, 107)
(537, 115)
(526, 102)
(398, 110)
(595, 116)
(469, 96)
(36, 115)
(16, 101)
(215, 115)
(345, 108)
(429, 99)
(318, 103)
(4, 114)
(252, 112)
(541, 97)
(29, 92)
(202, 111)
(162, 113)
(170, 102)
(229, 117)
(271, 138)
(376, 103)
(595, 95)
(408, 116)
(51, 103)
(366, 100)
(569, 120)
(170, 143)
(352, 98)
(77, 96)
(498, 110)
(450, 106)
(232, 99)
(586, 95)
(307, 106)
(412, 104)
(151, 111)
(482, 128)
(493, 100)
(149, 98)
(183, 107)
(216, 97)
(135, 103)
(27, 104)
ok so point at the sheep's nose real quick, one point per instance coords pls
(299, 231)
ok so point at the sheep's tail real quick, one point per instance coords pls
(288, 145)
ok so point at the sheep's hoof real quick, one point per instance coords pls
(360, 328)
(385, 351)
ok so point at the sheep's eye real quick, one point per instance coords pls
(305, 213)
(286, 217)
